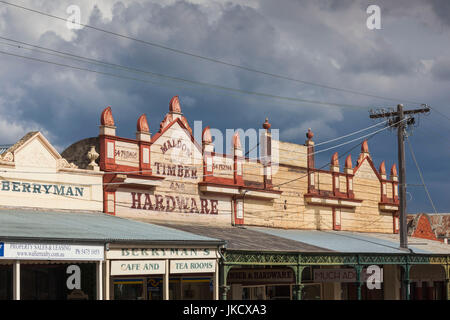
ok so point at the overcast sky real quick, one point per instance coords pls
(325, 42)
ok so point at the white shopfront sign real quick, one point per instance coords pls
(137, 267)
(50, 251)
(162, 253)
(192, 266)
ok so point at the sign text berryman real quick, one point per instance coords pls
(37, 188)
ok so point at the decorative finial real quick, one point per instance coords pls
(394, 170)
(335, 160)
(106, 119)
(174, 105)
(382, 168)
(266, 124)
(142, 124)
(348, 162)
(237, 141)
(309, 134)
(206, 136)
(92, 155)
(364, 147)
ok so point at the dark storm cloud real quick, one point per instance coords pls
(441, 69)
(318, 41)
(442, 10)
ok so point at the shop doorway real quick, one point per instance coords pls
(254, 293)
(50, 282)
(6, 282)
(152, 288)
(350, 292)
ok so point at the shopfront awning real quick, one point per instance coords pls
(89, 227)
(358, 242)
(312, 241)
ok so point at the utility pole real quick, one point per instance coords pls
(397, 119)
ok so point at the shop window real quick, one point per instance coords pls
(254, 293)
(155, 288)
(282, 292)
(307, 274)
(175, 288)
(312, 291)
(197, 288)
(129, 289)
(6, 282)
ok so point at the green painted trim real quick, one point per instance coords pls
(292, 259)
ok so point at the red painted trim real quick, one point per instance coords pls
(106, 162)
(146, 167)
(388, 203)
(219, 181)
(178, 120)
(152, 177)
(350, 193)
(122, 139)
(233, 186)
(328, 205)
(238, 179)
(206, 173)
(314, 195)
(105, 202)
(395, 216)
(395, 186)
(371, 164)
(223, 155)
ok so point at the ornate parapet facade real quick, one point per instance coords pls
(169, 175)
(35, 175)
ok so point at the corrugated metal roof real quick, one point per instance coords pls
(242, 238)
(357, 242)
(100, 227)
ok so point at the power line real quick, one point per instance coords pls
(178, 51)
(442, 114)
(420, 173)
(260, 94)
(343, 154)
(351, 134)
(344, 143)
(249, 159)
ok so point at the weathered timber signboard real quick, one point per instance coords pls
(176, 158)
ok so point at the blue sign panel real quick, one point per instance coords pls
(2, 249)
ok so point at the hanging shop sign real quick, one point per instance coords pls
(162, 253)
(260, 276)
(192, 266)
(137, 267)
(50, 251)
